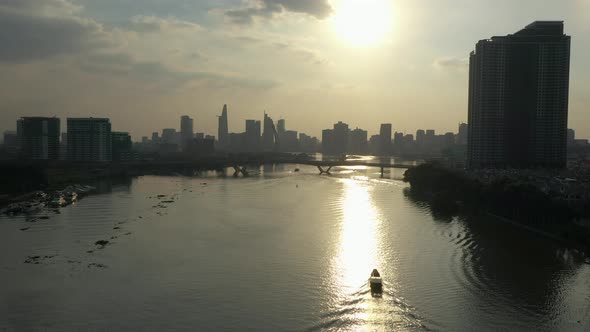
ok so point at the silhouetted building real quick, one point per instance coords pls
(11, 139)
(269, 135)
(385, 139)
(39, 138)
(252, 136)
(571, 137)
(201, 146)
(357, 141)
(289, 141)
(155, 138)
(223, 128)
(463, 133)
(328, 141)
(281, 126)
(186, 131)
(89, 139)
(308, 143)
(122, 147)
(420, 138)
(340, 138)
(518, 99)
(168, 136)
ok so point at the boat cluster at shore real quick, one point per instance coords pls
(53, 199)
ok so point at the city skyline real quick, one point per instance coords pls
(296, 62)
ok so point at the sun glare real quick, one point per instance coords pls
(363, 22)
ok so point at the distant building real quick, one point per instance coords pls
(571, 137)
(385, 139)
(122, 147)
(357, 141)
(252, 136)
(39, 138)
(168, 136)
(328, 141)
(340, 138)
(11, 139)
(308, 143)
(223, 128)
(518, 99)
(463, 133)
(269, 135)
(186, 131)
(420, 138)
(281, 126)
(155, 138)
(289, 141)
(89, 139)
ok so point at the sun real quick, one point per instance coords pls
(363, 22)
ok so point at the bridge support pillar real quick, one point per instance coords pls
(239, 169)
(382, 171)
(322, 171)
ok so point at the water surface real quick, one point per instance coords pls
(280, 251)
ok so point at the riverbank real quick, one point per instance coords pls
(451, 192)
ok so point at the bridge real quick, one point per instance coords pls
(241, 165)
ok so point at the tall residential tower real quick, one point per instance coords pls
(518, 99)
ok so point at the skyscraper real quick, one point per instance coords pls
(340, 138)
(223, 129)
(462, 135)
(252, 136)
(39, 137)
(281, 126)
(269, 135)
(186, 131)
(385, 139)
(518, 98)
(89, 139)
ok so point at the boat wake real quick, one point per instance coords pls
(367, 310)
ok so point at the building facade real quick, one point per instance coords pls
(518, 99)
(89, 139)
(39, 138)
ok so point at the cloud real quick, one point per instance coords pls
(319, 9)
(31, 32)
(117, 63)
(451, 62)
(148, 24)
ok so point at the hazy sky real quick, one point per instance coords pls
(144, 63)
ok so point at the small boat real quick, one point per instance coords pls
(296, 170)
(375, 282)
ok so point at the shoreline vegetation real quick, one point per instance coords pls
(452, 192)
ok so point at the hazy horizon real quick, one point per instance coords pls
(144, 64)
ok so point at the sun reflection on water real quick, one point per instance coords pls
(357, 253)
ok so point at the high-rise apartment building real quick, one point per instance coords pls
(89, 139)
(39, 138)
(187, 132)
(518, 99)
(385, 139)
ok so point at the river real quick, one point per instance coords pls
(280, 251)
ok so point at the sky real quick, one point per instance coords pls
(144, 63)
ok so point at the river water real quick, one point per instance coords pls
(280, 251)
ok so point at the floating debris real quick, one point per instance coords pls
(160, 196)
(117, 227)
(167, 201)
(98, 265)
(101, 243)
(25, 229)
(44, 217)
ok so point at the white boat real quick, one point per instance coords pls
(375, 282)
